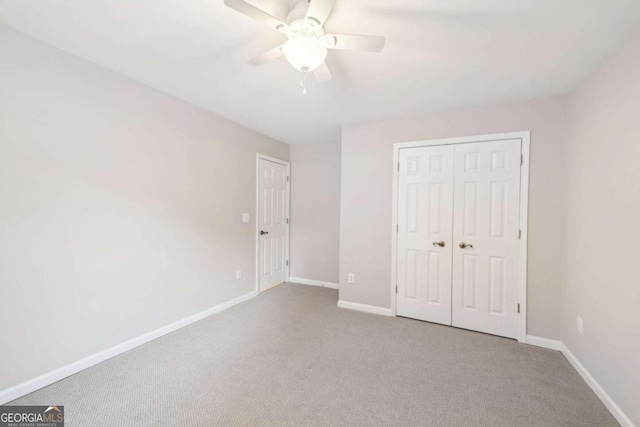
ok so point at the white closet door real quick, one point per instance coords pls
(272, 214)
(425, 203)
(486, 219)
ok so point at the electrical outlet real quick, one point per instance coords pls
(579, 324)
(238, 274)
(245, 217)
(351, 278)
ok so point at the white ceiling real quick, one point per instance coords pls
(439, 54)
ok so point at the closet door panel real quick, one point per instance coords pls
(486, 237)
(424, 249)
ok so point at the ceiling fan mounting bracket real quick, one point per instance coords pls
(330, 40)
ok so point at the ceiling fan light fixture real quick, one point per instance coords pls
(305, 53)
(306, 49)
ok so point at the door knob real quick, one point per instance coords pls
(262, 232)
(440, 243)
(464, 245)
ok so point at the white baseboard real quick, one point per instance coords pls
(365, 308)
(544, 342)
(34, 384)
(615, 410)
(620, 416)
(310, 282)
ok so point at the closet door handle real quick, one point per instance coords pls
(262, 232)
(464, 245)
(440, 243)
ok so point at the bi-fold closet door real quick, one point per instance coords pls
(458, 235)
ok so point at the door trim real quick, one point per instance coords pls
(525, 137)
(288, 211)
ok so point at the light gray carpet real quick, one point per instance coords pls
(290, 357)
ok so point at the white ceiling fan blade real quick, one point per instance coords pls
(320, 10)
(356, 42)
(269, 55)
(322, 73)
(255, 13)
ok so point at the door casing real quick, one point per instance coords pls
(525, 138)
(257, 220)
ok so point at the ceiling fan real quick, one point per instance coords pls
(307, 44)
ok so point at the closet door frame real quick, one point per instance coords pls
(525, 138)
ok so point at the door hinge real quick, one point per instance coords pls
(518, 307)
(398, 166)
(519, 234)
(287, 220)
(287, 178)
(396, 289)
(287, 263)
(521, 160)
(397, 228)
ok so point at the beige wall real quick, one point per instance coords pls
(601, 281)
(315, 211)
(120, 208)
(365, 218)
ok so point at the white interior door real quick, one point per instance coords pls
(425, 210)
(486, 223)
(273, 248)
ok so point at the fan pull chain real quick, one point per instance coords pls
(303, 82)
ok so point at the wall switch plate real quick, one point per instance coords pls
(238, 274)
(351, 278)
(245, 217)
(579, 324)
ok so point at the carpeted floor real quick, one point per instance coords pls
(290, 357)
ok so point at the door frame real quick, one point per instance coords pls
(257, 219)
(525, 137)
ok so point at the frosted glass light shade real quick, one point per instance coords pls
(305, 53)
